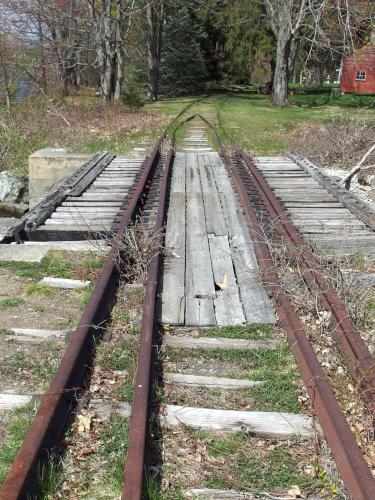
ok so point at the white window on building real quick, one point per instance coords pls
(361, 75)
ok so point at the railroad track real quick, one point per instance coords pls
(233, 195)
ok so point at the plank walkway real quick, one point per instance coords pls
(211, 275)
(322, 219)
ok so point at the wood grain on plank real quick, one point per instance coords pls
(173, 280)
(213, 382)
(187, 342)
(228, 306)
(256, 423)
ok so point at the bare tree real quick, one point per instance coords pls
(55, 34)
(8, 66)
(287, 18)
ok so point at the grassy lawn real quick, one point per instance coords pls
(250, 119)
(82, 124)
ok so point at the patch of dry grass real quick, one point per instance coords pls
(339, 142)
(41, 122)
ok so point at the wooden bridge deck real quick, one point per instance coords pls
(211, 275)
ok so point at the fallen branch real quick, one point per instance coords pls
(347, 179)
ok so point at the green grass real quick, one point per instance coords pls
(50, 478)
(123, 358)
(250, 360)
(51, 265)
(21, 419)
(249, 468)
(114, 439)
(250, 119)
(11, 302)
(252, 469)
(279, 392)
(37, 372)
(85, 293)
(247, 332)
(275, 367)
(39, 289)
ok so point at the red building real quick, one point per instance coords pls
(358, 71)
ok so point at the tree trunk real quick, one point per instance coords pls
(154, 39)
(280, 81)
(152, 52)
(119, 51)
(315, 75)
(7, 98)
(294, 46)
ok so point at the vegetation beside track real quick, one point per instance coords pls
(80, 123)
(251, 120)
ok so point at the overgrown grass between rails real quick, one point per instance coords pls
(114, 439)
(21, 419)
(250, 468)
(275, 368)
(246, 332)
(123, 358)
(244, 359)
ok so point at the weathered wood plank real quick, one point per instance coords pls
(64, 283)
(272, 425)
(256, 305)
(215, 494)
(214, 217)
(173, 280)
(210, 382)
(187, 342)
(105, 407)
(199, 286)
(35, 335)
(228, 306)
(12, 401)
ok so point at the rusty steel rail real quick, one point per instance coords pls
(347, 454)
(51, 418)
(353, 349)
(138, 429)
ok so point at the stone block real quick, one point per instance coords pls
(49, 166)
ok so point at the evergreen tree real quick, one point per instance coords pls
(182, 65)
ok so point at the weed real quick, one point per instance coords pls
(93, 260)
(86, 293)
(279, 392)
(38, 309)
(50, 478)
(39, 289)
(253, 469)
(20, 363)
(51, 265)
(248, 332)
(123, 358)
(4, 331)
(247, 360)
(11, 302)
(21, 419)
(114, 438)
